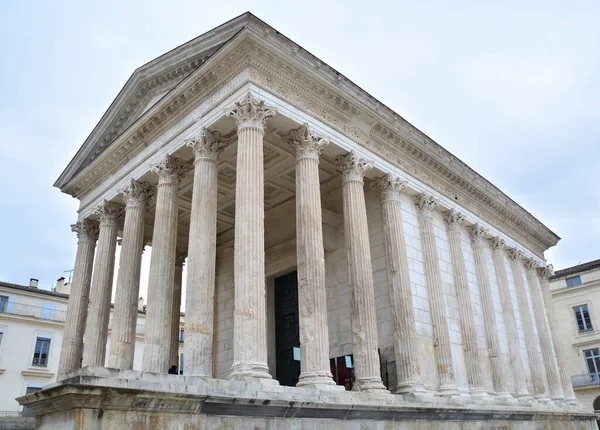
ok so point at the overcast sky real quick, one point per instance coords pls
(510, 87)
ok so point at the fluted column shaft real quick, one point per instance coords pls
(510, 323)
(96, 330)
(176, 311)
(405, 332)
(441, 334)
(548, 362)
(122, 340)
(200, 293)
(72, 343)
(249, 320)
(312, 296)
(453, 220)
(360, 275)
(157, 349)
(565, 378)
(537, 376)
(477, 234)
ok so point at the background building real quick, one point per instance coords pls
(31, 331)
(576, 295)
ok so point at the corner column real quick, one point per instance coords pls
(477, 234)
(405, 333)
(122, 340)
(565, 378)
(509, 315)
(200, 294)
(157, 349)
(72, 343)
(539, 389)
(360, 274)
(312, 296)
(249, 319)
(96, 330)
(180, 255)
(426, 203)
(548, 362)
(453, 219)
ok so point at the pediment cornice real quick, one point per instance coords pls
(269, 60)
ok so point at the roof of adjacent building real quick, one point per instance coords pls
(33, 290)
(584, 267)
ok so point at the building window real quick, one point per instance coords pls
(181, 334)
(47, 311)
(575, 280)
(582, 316)
(41, 352)
(27, 412)
(3, 303)
(181, 363)
(592, 359)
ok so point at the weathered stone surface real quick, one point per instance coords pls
(107, 398)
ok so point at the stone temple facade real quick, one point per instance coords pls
(344, 270)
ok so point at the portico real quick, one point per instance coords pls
(255, 169)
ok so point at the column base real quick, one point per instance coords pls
(542, 399)
(319, 381)
(479, 395)
(573, 402)
(525, 399)
(505, 398)
(369, 385)
(251, 371)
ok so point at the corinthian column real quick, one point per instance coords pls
(249, 319)
(453, 220)
(360, 274)
(180, 255)
(72, 343)
(122, 340)
(312, 297)
(548, 362)
(405, 333)
(477, 234)
(159, 310)
(509, 315)
(426, 203)
(96, 330)
(567, 385)
(539, 390)
(200, 293)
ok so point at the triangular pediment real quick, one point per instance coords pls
(146, 87)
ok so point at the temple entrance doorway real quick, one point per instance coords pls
(287, 329)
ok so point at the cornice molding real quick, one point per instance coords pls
(322, 95)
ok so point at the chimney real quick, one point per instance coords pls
(62, 286)
(33, 282)
(141, 306)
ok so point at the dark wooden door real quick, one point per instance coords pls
(287, 329)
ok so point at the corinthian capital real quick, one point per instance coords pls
(426, 203)
(497, 244)
(170, 170)
(251, 112)
(207, 145)
(388, 187)
(515, 254)
(546, 272)
(531, 264)
(453, 219)
(477, 233)
(137, 194)
(109, 212)
(87, 230)
(306, 143)
(351, 167)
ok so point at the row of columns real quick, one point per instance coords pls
(250, 350)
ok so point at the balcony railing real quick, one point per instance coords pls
(40, 362)
(585, 380)
(33, 311)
